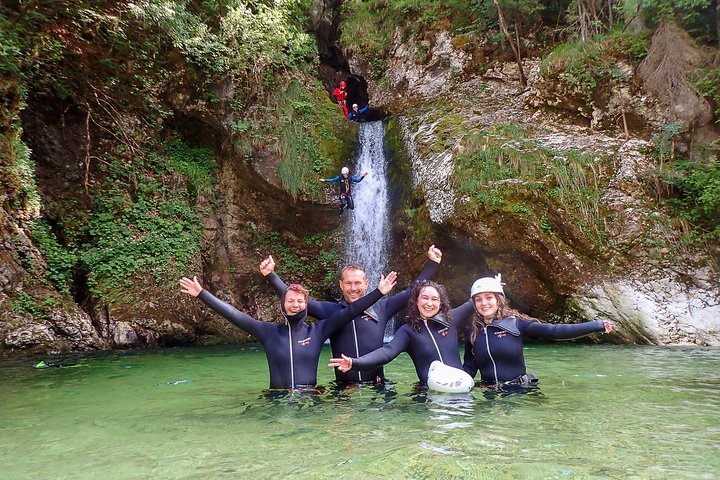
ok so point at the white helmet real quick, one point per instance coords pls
(344, 170)
(487, 284)
(445, 378)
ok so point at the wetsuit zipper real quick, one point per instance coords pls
(292, 368)
(487, 345)
(357, 348)
(434, 342)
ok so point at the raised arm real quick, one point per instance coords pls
(341, 317)
(376, 358)
(323, 310)
(241, 320)
(563, 331)
(319, 310)
(267, 268)
(331, 180)
(399, 301)
(462, 315)
(358, 179)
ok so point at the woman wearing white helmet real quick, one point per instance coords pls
(429, 334)
(345, 193)
(494, 341)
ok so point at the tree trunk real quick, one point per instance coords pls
(632, 13)
(715, 25)
(588, 18)
(515, 49)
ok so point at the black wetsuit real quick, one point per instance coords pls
(366, 331)
(436, 340)
(293, 348)
(345, 191)
(499, 355)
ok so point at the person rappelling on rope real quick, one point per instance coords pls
(341, 96)
(345, 194)
(356, 114)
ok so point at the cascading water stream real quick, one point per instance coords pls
(368, 229)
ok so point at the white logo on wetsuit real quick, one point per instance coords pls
(443, 331)
(305, 341)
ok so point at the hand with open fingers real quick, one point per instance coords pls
(343, 364)
(191, 287)
(365, 174)
(321, 179)
(267, 266)
(608, 326)
(434, 254)
(387, 283)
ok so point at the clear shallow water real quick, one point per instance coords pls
(601, 412)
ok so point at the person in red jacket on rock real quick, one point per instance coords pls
(340, 96)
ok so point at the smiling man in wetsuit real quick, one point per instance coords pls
(366, 331)
(292, 348)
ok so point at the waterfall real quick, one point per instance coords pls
(368, 229)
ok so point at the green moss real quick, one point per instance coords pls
(60, 259)
(585, 66)
(39, 309)
(142, 227)
(500, 167)
(312, 137)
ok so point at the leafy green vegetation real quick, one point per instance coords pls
(316, 262)
(587, 66)
(141, 224)
(310, 139)
(500, 167)
(26, 304)
(60, 260)
(698, 183)
(707, 81)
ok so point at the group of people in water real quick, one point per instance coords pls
(356, 324)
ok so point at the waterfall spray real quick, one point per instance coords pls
(368, 229)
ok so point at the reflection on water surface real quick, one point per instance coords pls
(601, 412)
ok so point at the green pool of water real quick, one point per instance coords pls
(200, 413)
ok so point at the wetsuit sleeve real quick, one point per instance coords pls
(341, 317)
(559, 331)
(356, 179)
(399, 301)
(384, 354)
(462, 315)
(277, 283)
(243, 321)
(469, 360)
(364, 109)
(322, 310)
(332, 180)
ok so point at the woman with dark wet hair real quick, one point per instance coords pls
(430, 333)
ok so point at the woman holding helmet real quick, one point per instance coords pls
(429, 334)
(494, 341)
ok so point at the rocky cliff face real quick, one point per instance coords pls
(637, 272)
(104, 125)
